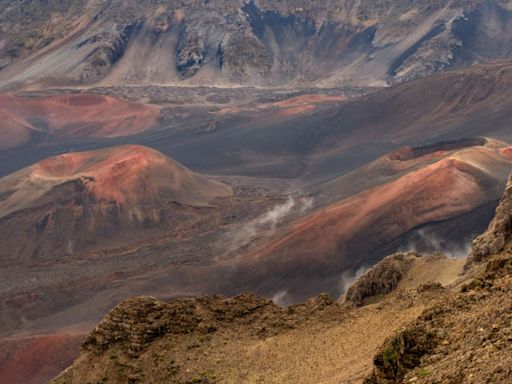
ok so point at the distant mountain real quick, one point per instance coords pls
(362, 43)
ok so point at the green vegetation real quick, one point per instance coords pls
(390, 354)
(424, 372)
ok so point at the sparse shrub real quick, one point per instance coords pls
(401, 354)
(424, 372)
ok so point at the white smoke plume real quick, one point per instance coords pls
(428, 240)
(268, 221)
(349, 277)
(280, 298)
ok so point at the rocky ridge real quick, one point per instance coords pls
(499, 233)
(255, 42)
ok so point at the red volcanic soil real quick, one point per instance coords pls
(36, 360)
(72, 116)
(131, 174)
(297, 110)
(351, 227)
(13, 132)
(78, 202)
(118, 174)
(507, 152)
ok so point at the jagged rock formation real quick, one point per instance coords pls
(134, 327)
(464, 338)
(25, 26)
(255, 42)
(137, 322)
(381, 279)
(401, 354)
(499, 233)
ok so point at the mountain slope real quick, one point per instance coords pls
(313, 141)
(395, 202)
(259, 42)
(322, 143)
(439, 327)
(114, 210)
(69, 225)
(242, 339)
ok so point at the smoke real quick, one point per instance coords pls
(274, 216)
(305, 204)
(280, 298)
(428, 242)
(268, 221)
(71, 248)
(349, 277)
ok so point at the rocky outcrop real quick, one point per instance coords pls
(112, 46)
(137, 322)
(27, 26)
(463, 337)
(381, 279)
(72, 115)
(499, 233)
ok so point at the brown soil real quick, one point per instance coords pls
(316, 342)
(246, 339)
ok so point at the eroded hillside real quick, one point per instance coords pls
(364, 43)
